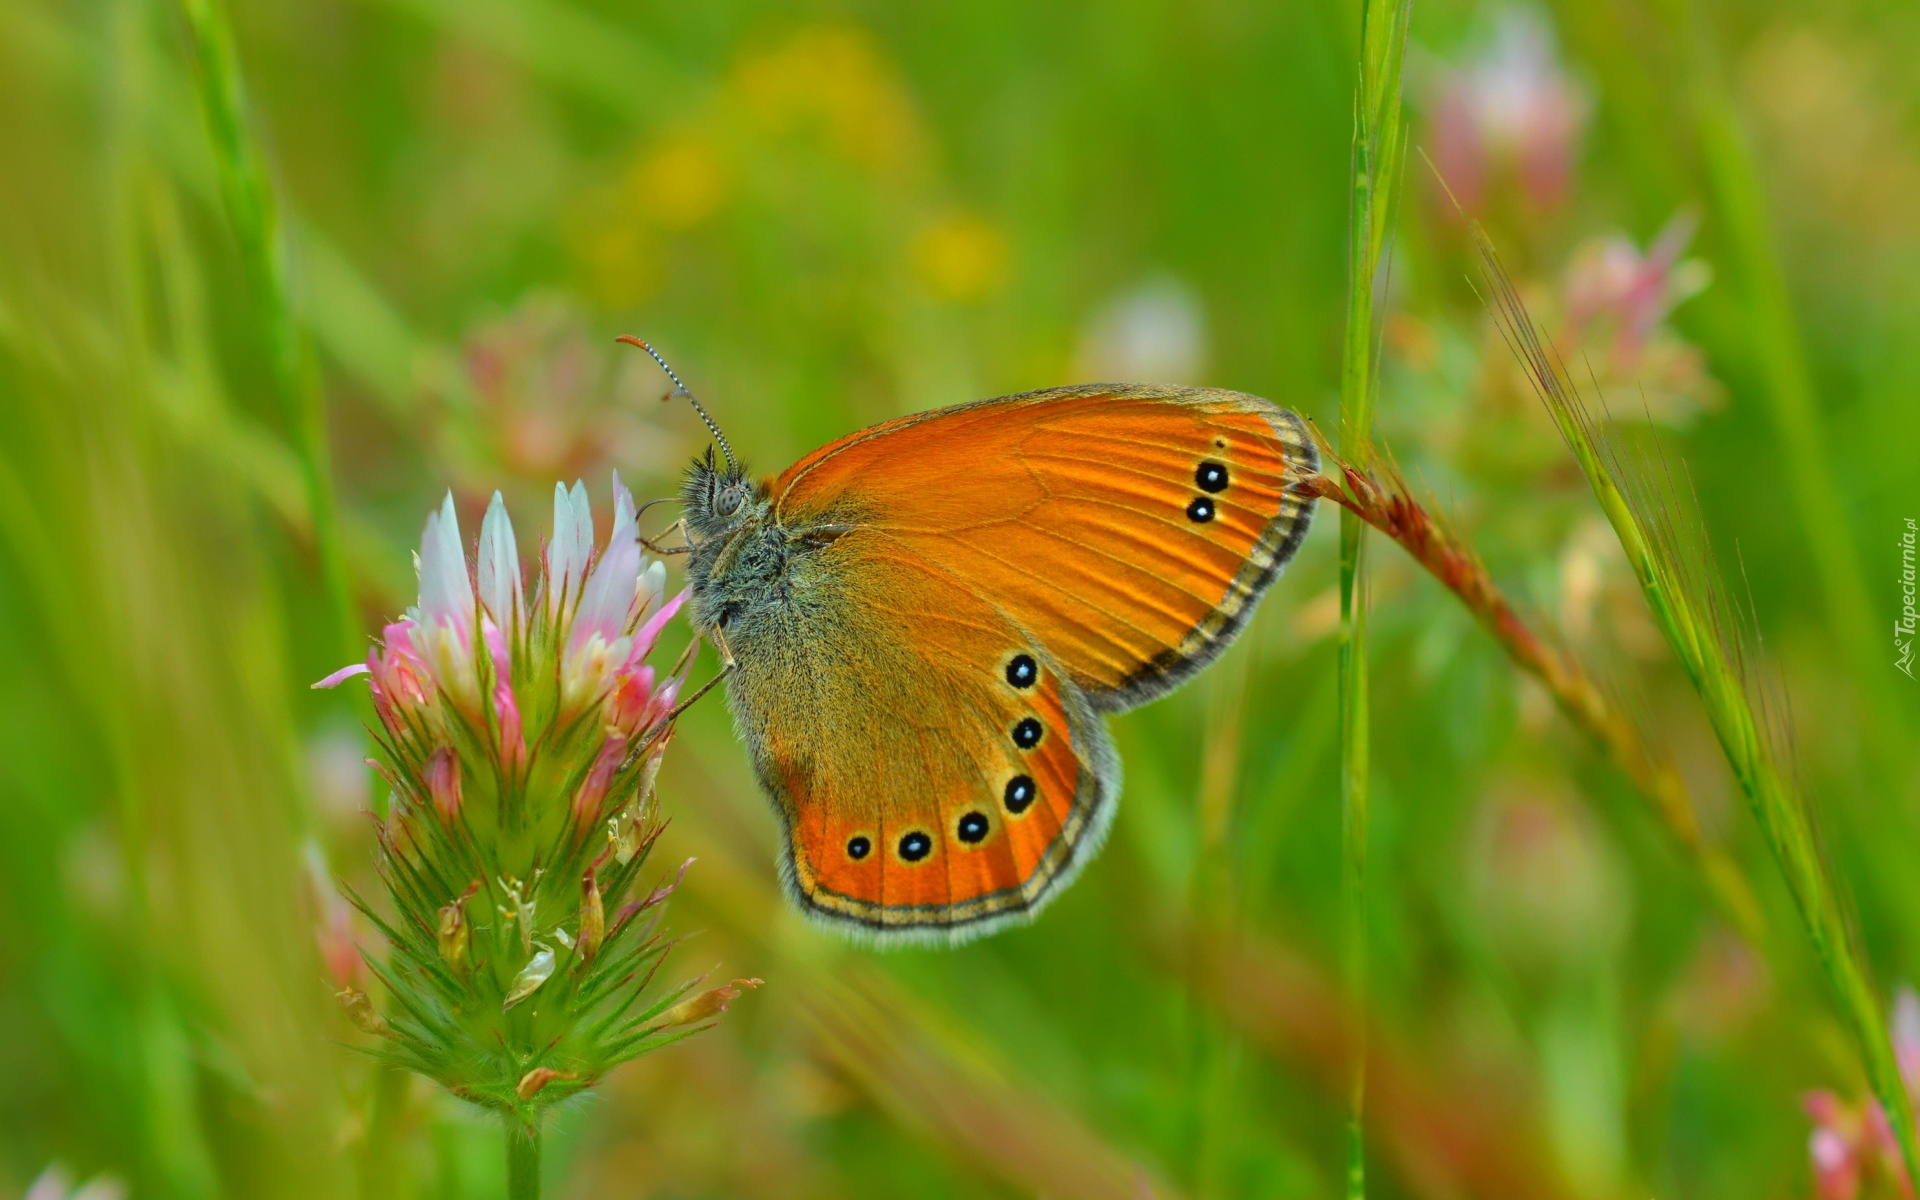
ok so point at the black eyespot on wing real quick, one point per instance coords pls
(859, 846)
(1026, 734)
(1022, 671)
(915, 846)
(1020, 793)
(1211, 476)
(1200, 511)
(972, 827)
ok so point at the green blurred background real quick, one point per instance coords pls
(829, 214)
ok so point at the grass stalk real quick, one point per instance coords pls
(1379, 144)
(1382, 499)
(1717, 643)
(260, 235)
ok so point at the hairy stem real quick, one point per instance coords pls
(523, 1161)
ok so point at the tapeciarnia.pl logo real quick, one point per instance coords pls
(1904, 627)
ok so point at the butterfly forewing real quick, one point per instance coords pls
(1128, 529)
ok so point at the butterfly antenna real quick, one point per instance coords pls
(681, 389)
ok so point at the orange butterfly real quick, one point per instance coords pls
(925, 620)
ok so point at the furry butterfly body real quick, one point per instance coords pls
(927, 619)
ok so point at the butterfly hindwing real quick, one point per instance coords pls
(936, 773)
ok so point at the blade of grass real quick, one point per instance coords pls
(1379, 144)
(1781, 360)
(260, 233)
(1715, 639)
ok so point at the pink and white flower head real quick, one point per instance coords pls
(1511, 109)
(521, 729)
(476, 681)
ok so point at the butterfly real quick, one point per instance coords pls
(924, 623)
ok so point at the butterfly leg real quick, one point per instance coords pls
(726, 668)
(652, 543)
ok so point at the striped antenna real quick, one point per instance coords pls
(681, 389)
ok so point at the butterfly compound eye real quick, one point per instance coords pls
(726, 501)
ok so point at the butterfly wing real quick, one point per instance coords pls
(969, 588)
(1130, 529)
(936, 774)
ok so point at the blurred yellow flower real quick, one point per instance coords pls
(835, 80)
(1833, 123)
(961, 258)
(623, 264)
(680, 184)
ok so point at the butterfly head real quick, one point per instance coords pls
(718, 499)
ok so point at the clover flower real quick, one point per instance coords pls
(520, 730)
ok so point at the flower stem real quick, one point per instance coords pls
(523, 1161)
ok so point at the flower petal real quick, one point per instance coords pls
(609, 595)
(500, 588)
(645, 636)
(506, 709)
(652, 586)
(342, 675)
(446, 591)
(571, 547)
(623, 512)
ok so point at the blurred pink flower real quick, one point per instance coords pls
(333, 923)
(1611, 280)
(1511, 108)
(1854, 1143)
(1906, 1036)
(536, 395)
